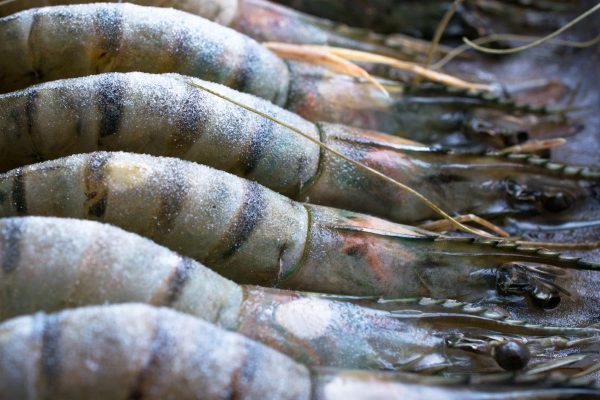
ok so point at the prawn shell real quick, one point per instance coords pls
(106, 37)
(160, 115)
(135, 351)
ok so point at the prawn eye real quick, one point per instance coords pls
(512, 356)
(522, 136)
(548, 302)
(557, 203)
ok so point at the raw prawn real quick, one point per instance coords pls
(251, 234)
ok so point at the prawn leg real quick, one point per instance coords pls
(428, 113)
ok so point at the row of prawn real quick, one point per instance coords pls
(136, 351)
(191, 202)
(168, 115)
(133, 351)
(125, 37)
(256, 236)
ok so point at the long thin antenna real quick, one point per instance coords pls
(357, 164)
(557, 32)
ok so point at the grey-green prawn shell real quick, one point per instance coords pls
(160, 115)
(220, 11)
(137, 351)
(253, 235)
(262, 20)
(107, 37)
(52, 263)
(124, 37)
(48, 264)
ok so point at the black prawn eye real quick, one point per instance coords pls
(512, 356)
(547, 302)
(557, 203)
(522, 136)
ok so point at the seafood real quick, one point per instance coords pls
(268, 22)
(122, 37)
(165, 115)
(252, 235)
(52, 263)
(421, 17)
(581, 308)
(138, 351)
(99, 38)
(429, 113)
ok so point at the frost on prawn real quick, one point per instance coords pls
(135, 351)
(265, 21)
(99, 38)
(253, 235)
(52, 263)
(167, 115)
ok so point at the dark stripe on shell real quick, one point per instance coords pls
(192, 120)
(37, 25)
(247, 218)
(243, 377)
(178, 279)
(258, 143)
(50, 360)
(172, 197)
(10, 244)
(110, 104)
(108, 23)
(243, 73)
(96, 186)
(146, 376)
(30, 111)
(19, 197)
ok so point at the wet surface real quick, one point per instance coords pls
(576, 75)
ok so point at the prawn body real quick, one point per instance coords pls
(265, 21)
(116, 352)
(52, 263)
(134, 350)
(253, 235)
(124, 37)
